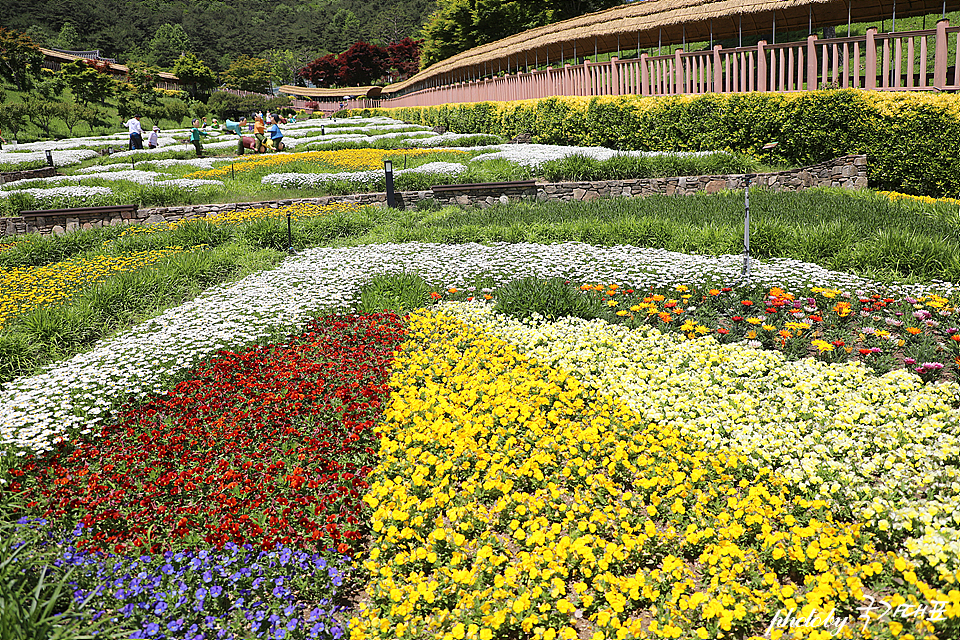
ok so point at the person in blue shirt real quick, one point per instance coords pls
(276, 136)
(195, 134)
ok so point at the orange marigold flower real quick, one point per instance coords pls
(913, 330)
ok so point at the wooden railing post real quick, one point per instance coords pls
(870, 73)
(644, 76)
(761, 66)
(615, 75)
(679, 85)
(717, 70)
(812, 84)
(940, 55)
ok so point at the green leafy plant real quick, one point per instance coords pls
(551, 298)
(400, 292)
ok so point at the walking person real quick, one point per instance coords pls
(195, 134)
(136, 132)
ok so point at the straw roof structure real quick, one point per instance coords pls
(60, 57)
(655, 22)
(330, 94)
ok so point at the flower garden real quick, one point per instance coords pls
(470, 438)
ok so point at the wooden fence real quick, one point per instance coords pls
(901, 61)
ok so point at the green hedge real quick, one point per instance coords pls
(912, 140)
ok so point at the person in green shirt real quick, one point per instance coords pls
(195, 134)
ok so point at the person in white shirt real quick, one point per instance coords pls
(152, 142)
(136, 132)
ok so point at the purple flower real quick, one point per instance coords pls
(200, 593)
(152, 628)
(207, 577)
(175, 625)
(215, 591)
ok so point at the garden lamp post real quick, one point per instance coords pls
(388, 175)
(49, 155)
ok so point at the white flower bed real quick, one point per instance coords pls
(62, 192)
(61, 158)
(533, 155)
(129, 175)
(837, 432)
(301, 180)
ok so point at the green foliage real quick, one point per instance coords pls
(551, 298)
(622, 167)
(14, 117)
(20, 58)
(247, 74)
(228, 105)
(49, 333)
(400, 292)
(912, 141)
(68, 38)
(194, 74)
(86, 82)
(458, 25)
(168, 43)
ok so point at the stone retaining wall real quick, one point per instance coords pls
(27, 174)
(849, 172)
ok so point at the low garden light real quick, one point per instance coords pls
(388, 174)
(49, 155)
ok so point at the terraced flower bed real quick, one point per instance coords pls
(252, 464)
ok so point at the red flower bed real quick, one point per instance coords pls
(264, 446)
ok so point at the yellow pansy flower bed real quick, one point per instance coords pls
(27, 288)
(513, 499)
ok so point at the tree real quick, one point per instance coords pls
(140, 77)
(458, 25)
(247, 74)
(285, 64)
(361, 64)
(322, 72)
(403, 57)
(88, 80)
(20, 58)
(194, 74)
(168, 43)
(42, 112)
(14, 117)
(73, 114)
(68, 38)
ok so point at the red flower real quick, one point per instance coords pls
(267, 445)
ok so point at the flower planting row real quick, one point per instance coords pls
(590, 490)
(226, 499)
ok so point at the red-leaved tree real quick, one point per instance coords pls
(361, 64)
(404, 57)
(322, 72)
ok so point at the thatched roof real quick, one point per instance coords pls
(329, 94)
(63, 56)
(665, 21)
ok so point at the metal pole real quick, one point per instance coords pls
(810, 21)
(773, 39)
(746, 228)
(741, 30)
(848, 17)
(711, 35)
(684, 40)
(893, 26)
(289, 235)
(660, 42)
